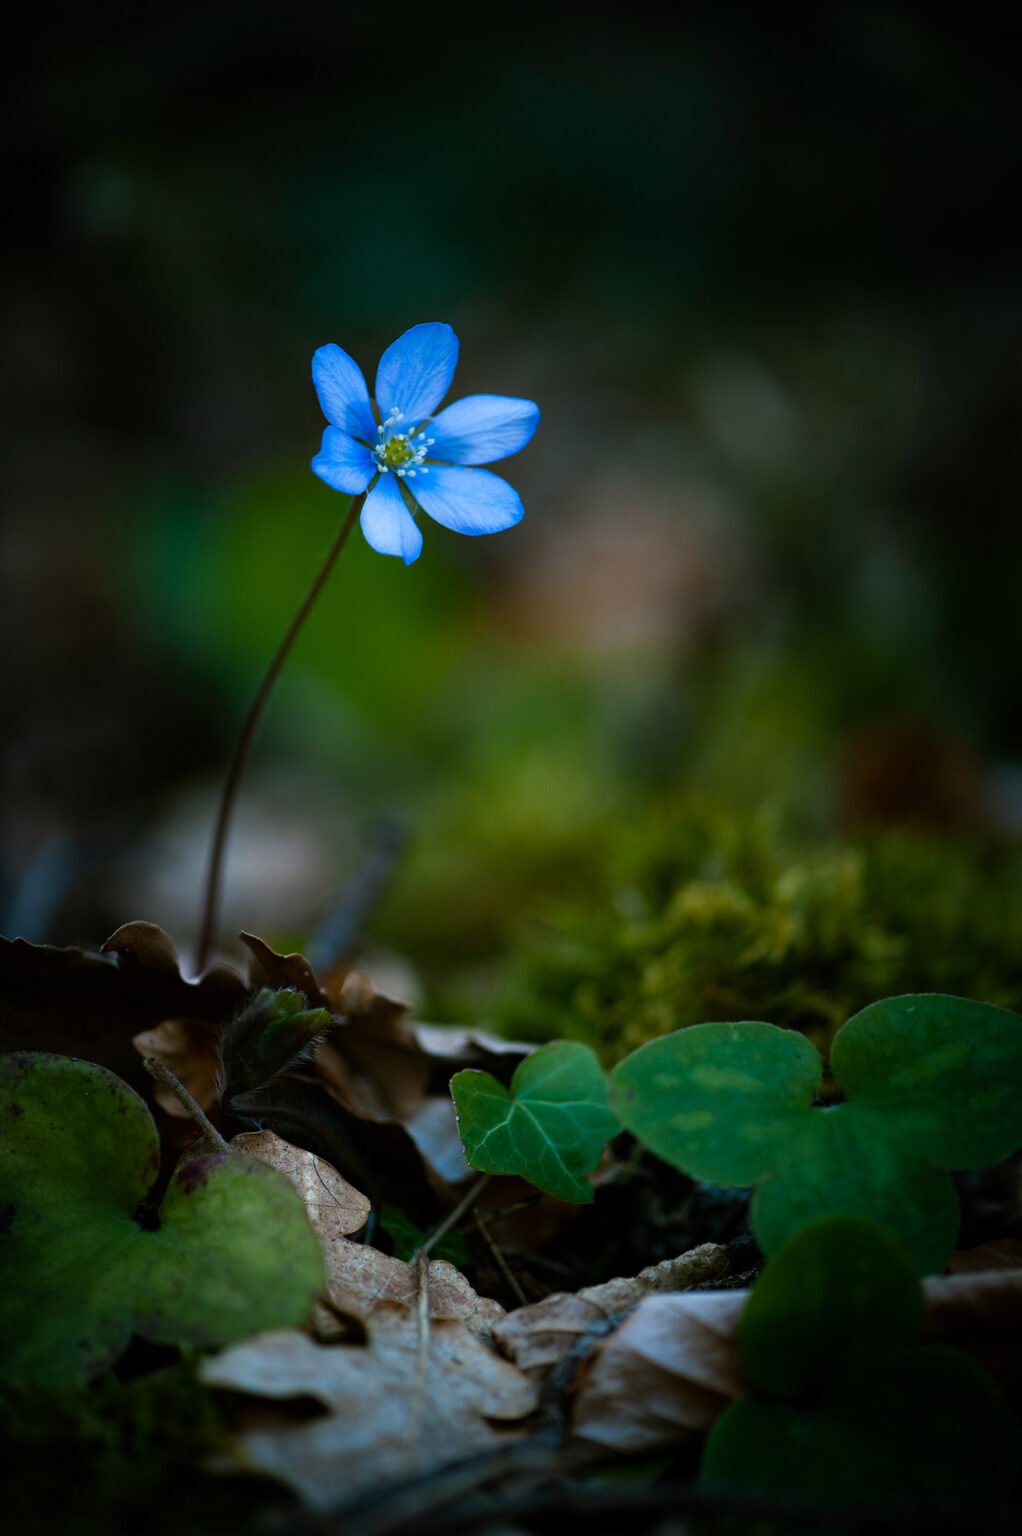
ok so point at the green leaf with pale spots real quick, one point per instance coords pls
(85, 1263)
(944, 1070)
(549, 1128)
(728, 1096)
(930, 1084)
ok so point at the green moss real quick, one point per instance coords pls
(704, 916)
(119, 1456)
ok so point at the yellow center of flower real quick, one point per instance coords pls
(399, 450)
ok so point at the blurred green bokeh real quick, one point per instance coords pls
(760, 272)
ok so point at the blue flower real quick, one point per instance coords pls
(406, 456)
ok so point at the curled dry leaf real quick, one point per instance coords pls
(89, 1003)
(268, 969)
(536, 1337)
(400, 1406)
(665, 1374)
(672, 1366)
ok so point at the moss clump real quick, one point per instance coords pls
(119, 1456)
(703, 916)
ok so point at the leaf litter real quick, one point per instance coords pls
(412, 1369)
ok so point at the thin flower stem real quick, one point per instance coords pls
(239, 758)
(164, 1075)
(453, 1217)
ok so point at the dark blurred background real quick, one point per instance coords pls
(759, 267)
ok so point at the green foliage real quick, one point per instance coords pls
(852, 1410)
(84, 1262)
(931, 1083)
(407, 1237)
(836, 1282)
(699, 915)
(271, 1032)
(119, 1446)
(549, 1128)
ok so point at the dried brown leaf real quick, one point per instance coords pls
(268, 969)
(360, 1279)
(1003, 1254)
(672, 1365)
(188, 1048)
(335, 1208)
(398, 1407)
(981, 1311)
(536, 1337)
(665, 1374)
(386, 1075)
(90, 1003)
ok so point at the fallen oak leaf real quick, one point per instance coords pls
(400, 1406)
(539, 1335)
(334, 1207)
(359, 1278)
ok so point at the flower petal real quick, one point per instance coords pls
(482, 428)
(468, 500)
(344, 464)
(415, 372)
(388, 525)
(342, 392)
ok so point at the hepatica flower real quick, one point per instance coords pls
(409, 458)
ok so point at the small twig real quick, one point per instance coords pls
(166, 1078)
(498, 1258)
(453, 1217)
(604, 1507)
(417, 1416)
(492, 1217)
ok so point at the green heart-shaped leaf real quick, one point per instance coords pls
(842, 1160)
(874, 1419)
(83, 1265)
(835, 1282)
(550, 1128)
(923, 1427)
(945, 1072)
(725, 1097)
(931, 1083)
